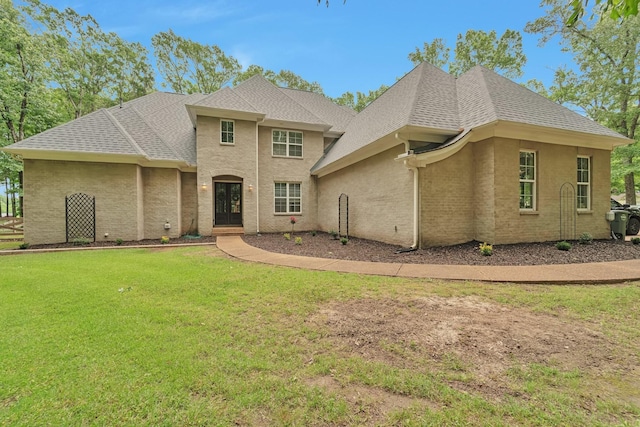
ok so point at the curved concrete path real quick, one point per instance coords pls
(602, 272)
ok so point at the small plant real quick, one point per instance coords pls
(486, 249)
(287, 236)
(586, 239)
(164, 240)
(334, 234)
(563, 246)
(344, 240)
(313, 233)
(118, 242)
(80, 241)
(636, 240)
(298, 240)
(293, 223)
(24, 245)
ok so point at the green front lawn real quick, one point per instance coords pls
(188, 337)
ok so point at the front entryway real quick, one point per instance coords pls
(228, 203)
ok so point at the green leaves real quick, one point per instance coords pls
(503, 55)
(190, 67)
(606, 85)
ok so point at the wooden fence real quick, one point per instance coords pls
(11, 227)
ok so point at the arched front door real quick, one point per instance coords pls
(228, 203)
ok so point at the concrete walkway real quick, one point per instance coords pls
(603, 272)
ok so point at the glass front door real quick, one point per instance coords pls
(228, 203)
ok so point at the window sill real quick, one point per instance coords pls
(230, 144)
(286, 157)
(296, 214)
(532, 212)
(584, 212)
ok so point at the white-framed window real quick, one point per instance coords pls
(527, 180)
(227, 130)
(287, 143)
(287, 197)
(584, 183)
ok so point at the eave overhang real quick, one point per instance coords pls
(84, 156)
(518, 131)
(199, 110)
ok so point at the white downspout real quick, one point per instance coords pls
(416, 195)
(258, 179)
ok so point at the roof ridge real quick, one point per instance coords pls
(169, 146)
(297, 103)
(414, 101)
(486, 92)
(123, 132)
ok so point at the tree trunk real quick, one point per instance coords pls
(630, 188)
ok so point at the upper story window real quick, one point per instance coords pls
(527, 180)
(584, 183)
(287, 143)
(227, 129)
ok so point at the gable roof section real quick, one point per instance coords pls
(431, 100)
(424, 97)
(503, 99)
(322, 107)
(98, 132)
(154, 127)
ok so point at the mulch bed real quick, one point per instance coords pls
(322, 245)
(146, 242)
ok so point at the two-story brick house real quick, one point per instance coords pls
(435, 160)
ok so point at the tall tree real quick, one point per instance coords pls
(617, 9)
(360, 100)
(93, 68)
(606, 85)
(502, 54)
(284, 78)
(190, 67)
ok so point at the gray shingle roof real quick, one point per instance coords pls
(274, 102)
(98, 132)
(428, 97)
(322, 107)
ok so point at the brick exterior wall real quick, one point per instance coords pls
(380, 192)
(114, 186)
(474, 194)
(161, 200)
(189, 213)
(288, 169)
(237, 162)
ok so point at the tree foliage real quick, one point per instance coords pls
(284, 78)
(191, 67)
(360, 100)
(606, 84)
(93, 68)
(617, 9)
(502, 54)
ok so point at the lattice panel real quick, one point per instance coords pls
(81, 217)
(343, 215)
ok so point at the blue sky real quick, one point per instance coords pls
(355, 46)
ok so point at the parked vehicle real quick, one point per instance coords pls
(633, 224)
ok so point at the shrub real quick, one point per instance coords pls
(80, 241)
(118, 242)
(586, 239)
(164, 240)
(298, 240)
(563, 246)
(334, 234)
(314, 232)
(24, 245)
(486, 249)
(287, 236)
(344, 240)
(636, 240)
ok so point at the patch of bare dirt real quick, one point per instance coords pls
(323, 246)
(467, 335)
